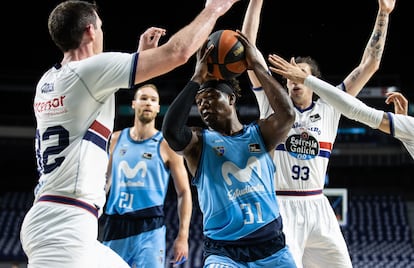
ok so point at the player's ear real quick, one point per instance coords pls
(232, 99)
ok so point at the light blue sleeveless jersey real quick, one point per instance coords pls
(235, 184)
(139, 176)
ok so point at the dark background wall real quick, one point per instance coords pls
(333, 32)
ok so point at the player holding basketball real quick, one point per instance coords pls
(74, 107)
(312, 230)
(232, 166)
(398, 124)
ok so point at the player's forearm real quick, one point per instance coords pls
(190, 38)
(184, 205)
(375, 46)
(174, 128)
(371, 58)
(346, 104)
(250, 28)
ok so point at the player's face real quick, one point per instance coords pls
(213, 106)
(146, 104)
(299, 93)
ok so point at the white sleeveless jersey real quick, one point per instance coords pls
(74, 108)
(302, 159)
(402, 128)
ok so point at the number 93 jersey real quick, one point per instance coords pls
(302, 159)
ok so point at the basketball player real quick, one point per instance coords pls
(232, 166)
(312, 230)
(139, 170)
(74, 109)
(398, 124)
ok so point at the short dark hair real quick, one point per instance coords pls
(68, 21)
(314, 66)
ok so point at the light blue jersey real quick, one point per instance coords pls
(134, 224)
(235, 185)
(139, 177)
(236, 193)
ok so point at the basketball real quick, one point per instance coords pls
(227, 59)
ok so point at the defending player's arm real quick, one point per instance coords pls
(183, 44)
(374, 49)
(250, 29)
(346, 104)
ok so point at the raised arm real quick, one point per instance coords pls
(250, 29)
(346, 104)
(374, 49)
(275, 127)
(179, 136)
(183, 44)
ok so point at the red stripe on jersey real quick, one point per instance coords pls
(325, 145)
(101, 129)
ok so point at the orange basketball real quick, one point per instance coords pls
(227, 59)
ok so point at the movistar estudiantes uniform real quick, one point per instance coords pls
(134, 216)
(236, 193)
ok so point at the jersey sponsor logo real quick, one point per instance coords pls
(233, 194)
(254, 148)
(52, 106)
(131, 177)
(303, 146)
(229, 170)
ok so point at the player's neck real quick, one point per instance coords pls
(141, 132)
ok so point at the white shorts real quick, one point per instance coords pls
(65, 236)
(313, 232)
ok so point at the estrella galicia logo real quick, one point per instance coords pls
(303, 146)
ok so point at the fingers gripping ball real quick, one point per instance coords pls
(227, 59)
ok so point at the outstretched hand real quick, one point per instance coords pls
(288, 70)
(150, 38)
(399, 101)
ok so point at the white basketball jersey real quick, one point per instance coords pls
(74, 107)
(402, 128)
(302, 159)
